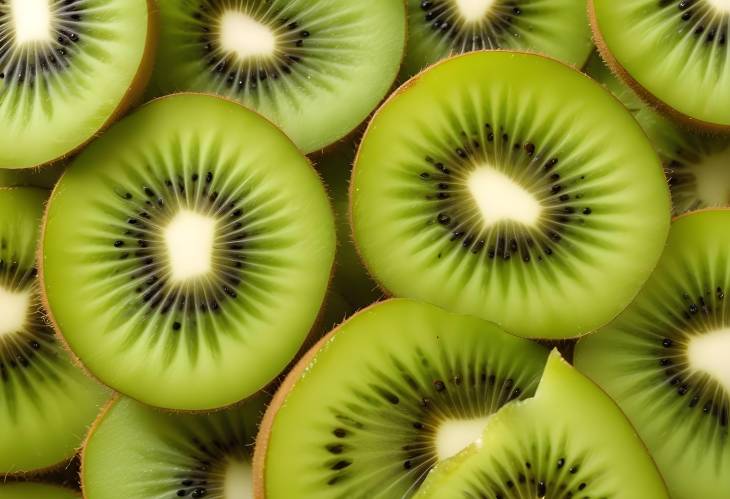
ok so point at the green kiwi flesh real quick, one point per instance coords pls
(187, 252)
(27, 490)
(503, 198)
(397, 387)
(665, 359)
(570, 440)
(46, 403)
(63, 82)
(294, 61)
(44, 178)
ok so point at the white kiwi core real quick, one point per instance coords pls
(712, 178)
(31, 20)
(239, 480)
(710, 353)
(473, 10)
(720, 5)
(499, 198)
(245, 36)
(14, 308)
(453, 435)
(189, 239)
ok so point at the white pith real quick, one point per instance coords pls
(239, 480)
(189, 241)
(31, 20)
(13, 310)
(454, 435)
(245, 36)
(499, 198)
(473, 10)
(710, 353)
(712, 179)
(720, 5)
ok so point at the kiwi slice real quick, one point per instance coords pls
(665, 359)
(136, 452)
(35, 491)
(46, 403)
(393, 390)
(294, 61)
(672, 52)
(187, 252)
(440, 28)
(44, 178)
(68, 69)
(570, 440)
(503, 198)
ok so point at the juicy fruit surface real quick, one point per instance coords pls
(35, 491)
(570, 440)
(506, 200)
(664, 359)
(367, 416)
(300, 62)
(167, 270)
(45, 402)
(58, 90)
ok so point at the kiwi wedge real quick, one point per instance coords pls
(316, 69)
(389, 393)
(665, 359)
(187, 252)
(136, 452)
(570, 440)
(504, 199)
(46, 403)
(67, 70)
(441, 28)
(29, 490)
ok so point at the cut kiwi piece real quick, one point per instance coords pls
(399, 386)
(294, 61)
(570, 440)
(44, 178)
(67, 70)
(30, 490)
(441, 28)
(187, 252)
(136, 452)
(46, 403)
(672, 52)
(503, 198)
(665, 359)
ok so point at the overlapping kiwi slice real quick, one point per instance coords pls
(137, 452)
(440, 28)
(46, 403)
(316, 69)
(500, 196)
(67, 69)
(389, 393)
(665, 359)
(569, 441)
(673, 52)
(186, 253)
(35, 491)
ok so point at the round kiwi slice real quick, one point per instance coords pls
(569, 441)
(665, 359)
(673, 52)
(294, 61)
(187, 252)
(136, 452)
(388, 394)
(68, 69)
(46, 403)
(30, 490)
(440, 28)
(503, 198)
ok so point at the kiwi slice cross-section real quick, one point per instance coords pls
(316, 69)
(186, 253)
(503, 198)
(666, 359)
(440, 28)
(46, 403)
(569, 441)
(388, 394)
(28, 490)
(67, 69)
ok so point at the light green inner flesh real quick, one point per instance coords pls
(35, 491)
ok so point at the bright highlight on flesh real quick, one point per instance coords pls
(712, 178)
(499, 198)
(454, 435)
(13, 310)
(710, 353)
(239, 480)
(473, 10)
(31, 20)
(189, 239)
(720, 5)
(245, 36)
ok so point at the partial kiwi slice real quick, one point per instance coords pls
(665, 359)
(68, 69)
(673, 52)
(46, 403)
(295, 61)
(187, 252)
(388, 394)
(136, 452)
(441, 28)
(30, 490)
(570, 440)
(45, 177)
(503, 198)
